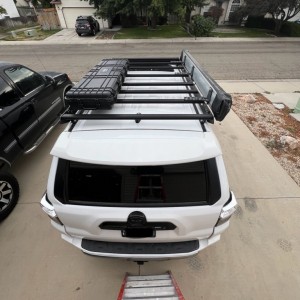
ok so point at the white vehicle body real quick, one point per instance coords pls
(139, 189)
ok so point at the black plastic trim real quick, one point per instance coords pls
(140, 248)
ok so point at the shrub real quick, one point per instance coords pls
(128, 21)
(260, 22)
(290, 29)
(201, 26)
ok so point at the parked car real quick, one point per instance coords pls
(86, 25)
(30, 105)
(139, 173)
(297, 21)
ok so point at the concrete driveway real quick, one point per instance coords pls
(70, 36)
(257, 258)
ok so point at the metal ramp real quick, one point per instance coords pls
(150, 287)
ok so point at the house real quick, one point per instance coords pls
(10, 7)
(69, 10)
(229, 6)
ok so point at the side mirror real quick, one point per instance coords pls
(50, 80)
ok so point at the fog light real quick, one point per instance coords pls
(49, 210)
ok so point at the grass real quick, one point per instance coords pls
(41, 35)
(142, 32)
(241, 32)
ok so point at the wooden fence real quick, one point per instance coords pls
(48, 18)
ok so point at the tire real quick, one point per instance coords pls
(93, 32)
(9, 194)
(79, 34)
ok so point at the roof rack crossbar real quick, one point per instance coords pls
(190, 83)
(159, 75)
(191, 91)
(155, 67)
(160, 101)
(142, 60)
(156, 63)
(74, 117)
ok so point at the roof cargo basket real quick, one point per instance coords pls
(148, 81)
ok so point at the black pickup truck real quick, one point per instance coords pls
(30, 106)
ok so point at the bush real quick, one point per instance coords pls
(290, 29)
(260, 22)
(128, 21)
(201, 26)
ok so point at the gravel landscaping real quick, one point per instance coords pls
(275, 128)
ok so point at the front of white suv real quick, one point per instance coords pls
(139, 189)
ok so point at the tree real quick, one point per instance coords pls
(190, 5)
(2, 10)
(215, 12)
(201, 26)
(280, 10)
(41, 3)
(154, 10)
(107, 9)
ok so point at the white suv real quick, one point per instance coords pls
(138, 173)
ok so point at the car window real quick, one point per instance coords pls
(7, 95)
(168, 185)
(82, 22)
(25, 79)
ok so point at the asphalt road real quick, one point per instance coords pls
(223, 61)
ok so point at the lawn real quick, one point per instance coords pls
(142, 32)
(240, 32)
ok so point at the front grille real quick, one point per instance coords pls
(140, 248)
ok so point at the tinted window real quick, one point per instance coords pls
(168, 185)
(25, 79)
(82, 22)
(7, 94)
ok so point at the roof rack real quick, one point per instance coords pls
(148, 81)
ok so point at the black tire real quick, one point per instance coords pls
(9, 194)
(93, 32)
(79, 33)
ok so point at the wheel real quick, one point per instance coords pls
(9, 194)
(93, 32)
(79, 33)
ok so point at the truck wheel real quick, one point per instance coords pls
(9, 194)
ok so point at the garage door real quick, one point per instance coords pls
(71, 14)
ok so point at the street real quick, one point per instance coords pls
(257, 258)
(223, 61)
